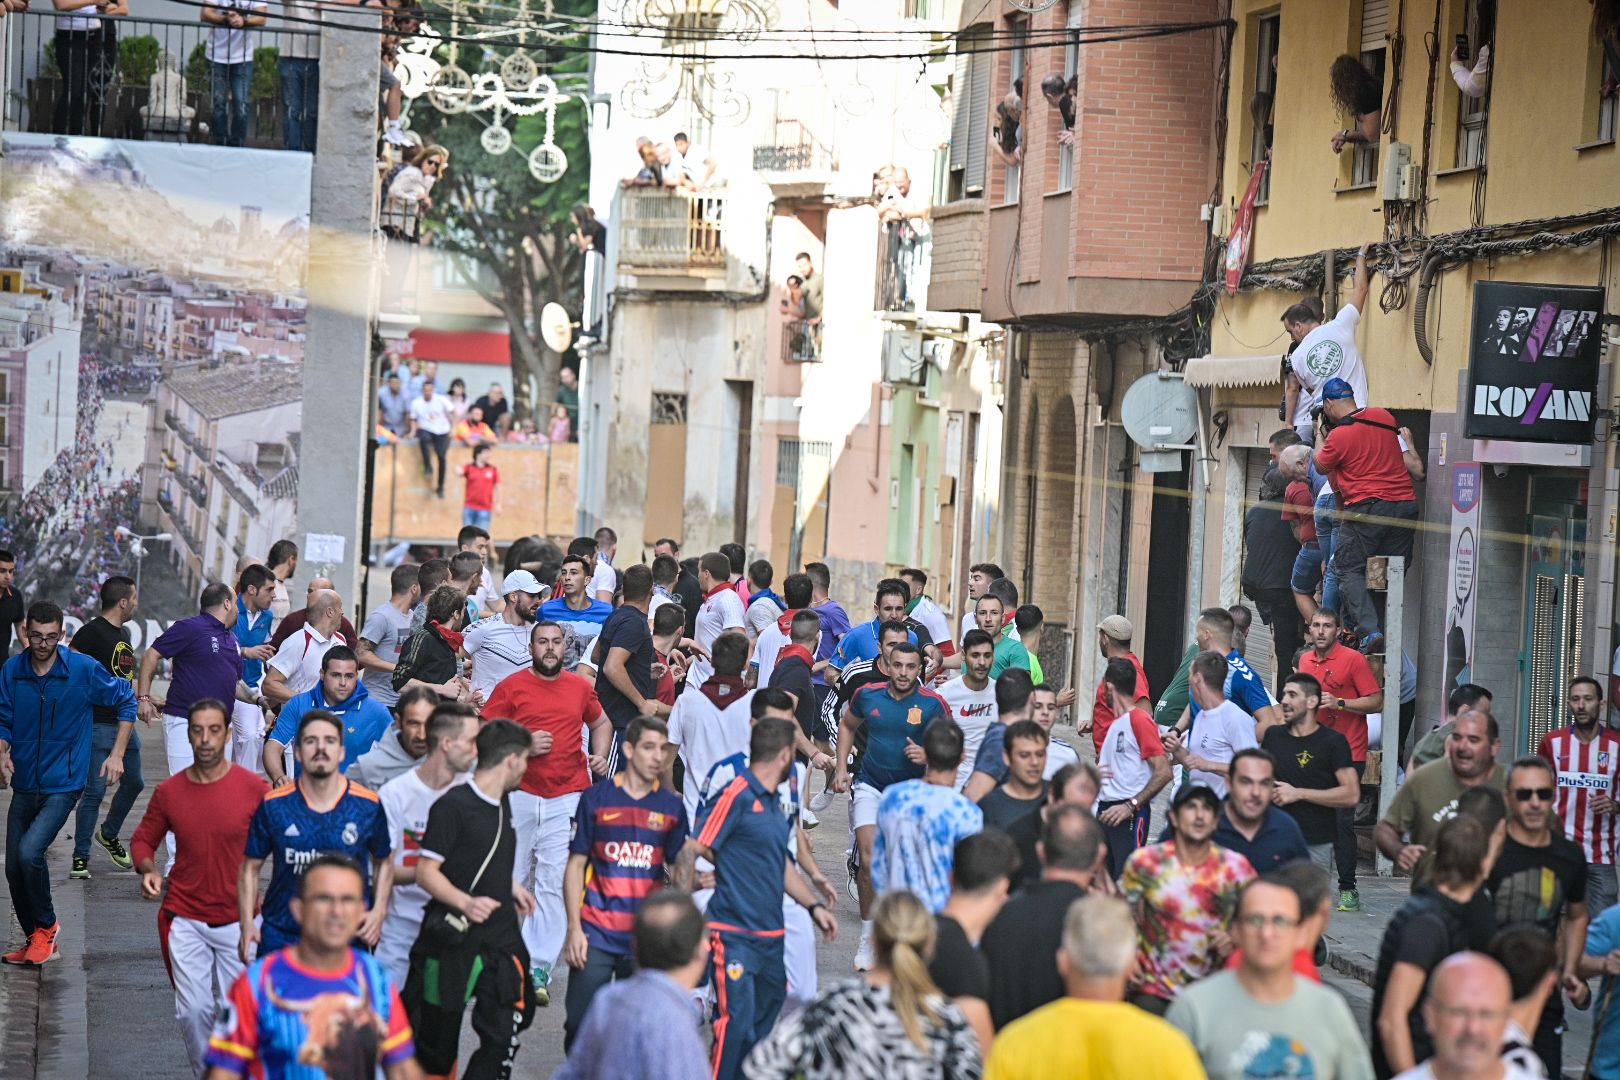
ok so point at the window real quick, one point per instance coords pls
(1603, 72)
(1472, 111)
(1020, 36)
(1071, 66)
(668, 408)
(1263, 105)
(970, 122)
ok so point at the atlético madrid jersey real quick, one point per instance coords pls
(1585, 769)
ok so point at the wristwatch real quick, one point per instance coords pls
(1340, 704)
(1135, 805)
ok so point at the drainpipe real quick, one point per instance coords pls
(1198, 486)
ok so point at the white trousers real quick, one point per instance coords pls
(394, 950)
(202, 964)
(247, 736)
(544, 828)
(178, 750)
(798, 955)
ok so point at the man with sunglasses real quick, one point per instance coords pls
(1539, 880)
(1262, 1019)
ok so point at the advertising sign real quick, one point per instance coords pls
(1533, 362)
(1462, 575)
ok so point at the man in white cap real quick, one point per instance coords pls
(1114, 642)
(499, 645)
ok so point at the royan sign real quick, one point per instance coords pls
(1533, 362)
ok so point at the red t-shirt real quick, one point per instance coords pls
(1102, 710)
(665, 691)
(1304, 963)
(1365, 460)
(1301, 507)
(481, 481)
(210, 825)
(1343, 673)
(559, 706)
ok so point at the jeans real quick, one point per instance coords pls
(1601, 888)
(1370, 527)
(1327, 524)
(469, 516)
(1344, 845)
(31, 825)
(1126, 837)
(95, 788)
(86, 59)
(229, 90)
(433, 446)
(601, 967)
(300, 100)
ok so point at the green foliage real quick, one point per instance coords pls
(266, 84)
(138, 59)
(47, 65)
(197, 69)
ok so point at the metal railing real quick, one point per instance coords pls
(801, 341)
(791, 148)
(660, 229)
(107, 78)
(903, 260)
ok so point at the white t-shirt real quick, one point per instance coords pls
(604, 580)
(1058, 754)
(432, 416)
(761, 613)
(658, 600)
(486, 595)
(406, 802)
(299, 658)
(498, 649)
(969, 622)
(769, 646)
(721, 612)
(974, 711)
(927, 612)
(229, 44)
(1328, 352)
(1425, 1071)
(1124, 764)
(1217, 734)
(706, 734)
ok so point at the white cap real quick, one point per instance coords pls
(524, 582)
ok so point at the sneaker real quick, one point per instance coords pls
(821, 800)
(81, 868)
(852, 866)
(115, 851)
(540, 980)
(42, 947)
(865, 954)
(18, 955)
(1349, 900)
(808, 820)
(395, 133)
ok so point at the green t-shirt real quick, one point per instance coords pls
(1175, 696)
(1010, 652)
(1427, 801)
(1432, 747)
(1238, 1038)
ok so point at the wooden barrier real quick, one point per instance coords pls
(538, 494)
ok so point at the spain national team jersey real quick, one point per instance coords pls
(1586, 769)
(285, 827)
(284, 1021)
(890, 723)
(750, 839)
(627, 843)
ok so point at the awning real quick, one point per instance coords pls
(1230, 371)
(462, 346)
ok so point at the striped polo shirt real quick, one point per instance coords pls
(627, 844)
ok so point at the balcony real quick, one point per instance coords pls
(903, 261)
(194, 487)
(801, 342)
(35, 97)
(671, 231)
(791, 154)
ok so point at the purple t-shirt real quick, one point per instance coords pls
(834, 625)
(207, 662)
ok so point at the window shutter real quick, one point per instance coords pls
(978, 143)
(1374, 24)
(961, 104)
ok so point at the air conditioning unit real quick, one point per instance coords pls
(903, 359)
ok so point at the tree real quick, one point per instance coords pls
(491, 211)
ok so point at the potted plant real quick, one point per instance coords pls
(264, 97)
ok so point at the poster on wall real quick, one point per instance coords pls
(1533, 362)
(1462, 576)
(152, 324)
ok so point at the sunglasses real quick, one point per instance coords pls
(1525, 794)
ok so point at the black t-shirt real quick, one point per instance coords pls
(958, 969)
(1001, 810)
(1423, 931)
(11, 613)
(1269, 549)
(1310, 762)
(626, 629)
(1021, 945)
(1025, 832)
(107, 645)
(1532, 884)
(793, 675)
(493, 410)
(461, 828)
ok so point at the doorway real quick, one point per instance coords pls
(1554, 602)
(1162, 639)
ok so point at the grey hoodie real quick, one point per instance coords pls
(385, 760)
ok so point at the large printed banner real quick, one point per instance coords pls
(152, 316)
(1462, 575)
(1533, 363)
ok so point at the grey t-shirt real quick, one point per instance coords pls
(386, 629)
(1238, 1038)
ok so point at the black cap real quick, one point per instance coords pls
(1189, 792)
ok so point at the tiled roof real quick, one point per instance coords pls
(236, 388)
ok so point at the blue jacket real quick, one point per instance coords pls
(48, 721)
(364, 720)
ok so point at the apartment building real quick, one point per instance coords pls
(39, 376)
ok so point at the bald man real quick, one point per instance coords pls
(1467, 1011)
(295, 621)
(296, 667)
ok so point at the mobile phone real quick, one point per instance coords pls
(1462, 46)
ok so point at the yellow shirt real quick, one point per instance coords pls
(1098, 1040)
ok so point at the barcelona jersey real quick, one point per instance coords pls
(284, 1021)
(628, 843)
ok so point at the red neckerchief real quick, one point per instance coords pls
(724, 586)
(784, 621)
(723, 690)
(451, 637)
(789, 651)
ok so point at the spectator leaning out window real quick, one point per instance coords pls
(1359, 96)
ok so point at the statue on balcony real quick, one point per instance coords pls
(166, 111)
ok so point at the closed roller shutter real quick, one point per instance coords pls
(1374, 24)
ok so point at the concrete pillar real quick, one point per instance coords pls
(337, 384)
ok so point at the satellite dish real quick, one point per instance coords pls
(1160, 412)
(556, 329)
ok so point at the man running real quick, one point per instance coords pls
(980, 575)
(1586, 756)
(922, 610)
(722, 610)
(208, 807)
(554, 706)
(255, 592)
(1135, 765)
(919, 822)
(1213, 633)
(385, 632)
(861, 643)
(890, 715)
(972, 698)
(628, 833)
(402, 748)
(321, 998)
(341, 693)
(499, 645)
(319, 812)
(749, 850)
(1221, 730)
(207, 663)
(1044, 705)
(576, 611)
(406, 800)
(711, 722)
(47, 693)
(1114, 643)
(1315, 774)
(296, 667)
(105, 639)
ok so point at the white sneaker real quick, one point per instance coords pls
(808, 820)
(823, 798)
(395, 133)
(865, 954)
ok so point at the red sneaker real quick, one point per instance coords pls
(19, 955)
(42, 948)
